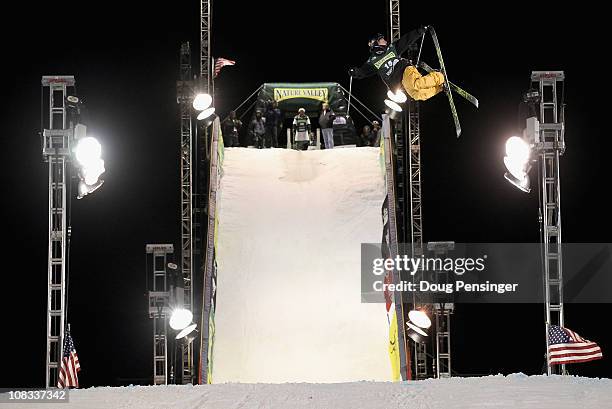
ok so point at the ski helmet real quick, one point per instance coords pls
(374, 46)
(301, 111)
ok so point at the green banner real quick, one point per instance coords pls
(310, 96)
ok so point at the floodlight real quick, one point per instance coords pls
(517, 149)
(419, 318)
(415, 333)
(521, 183)
(188, 332)
(397, 96)
(393, 109)
(91, 173)
(180, 319)
(88, 150)
(201, 102)
(85, 189)
(206, 113)
(517, 157)
(393, 105)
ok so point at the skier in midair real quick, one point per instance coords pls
(396, 72)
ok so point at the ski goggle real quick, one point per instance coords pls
(375, 39)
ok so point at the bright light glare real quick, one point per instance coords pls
(188, 330)
(91, 173)
(88, 151)
(517, 156)
(517, 148)
(419, 318)
(393, 105)
(515, 167)
(180, 319)
(206, 113)
(201, 102)
(398, 96)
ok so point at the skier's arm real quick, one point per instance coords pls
(405, 41)
(294, 125)
(366, 70)
(308, 123)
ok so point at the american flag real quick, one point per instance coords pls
(70, 365)
(567, 347)
(220, 63)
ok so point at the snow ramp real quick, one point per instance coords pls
(287, 304)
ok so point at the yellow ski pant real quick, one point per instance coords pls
(422, 87)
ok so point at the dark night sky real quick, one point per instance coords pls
(125, 60)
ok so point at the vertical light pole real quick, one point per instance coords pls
(544, 142)
(65, 141)
(56, 152)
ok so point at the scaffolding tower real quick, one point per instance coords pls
(56, 152)
(422, 365)
(403, 170)
(158, 256)
(409, 183)
(399, 142)
(205, 62)
(550, 147)
(184, 98)
(442, 309)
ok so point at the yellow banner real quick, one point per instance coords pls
(319, 94)
(394, 354)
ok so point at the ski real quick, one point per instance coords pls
(447, 89)
(460, 91)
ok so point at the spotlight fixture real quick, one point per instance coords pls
(206, 113)
(188, 334)
(416, 334)
(202, 101)
(417, 324)
(88, 155)
(85, 189)
(393, 105)
(88, 150)
(180, 319)
(518, 153)
(419, 318)
(397, 96)
(524, 184)
(393, 109)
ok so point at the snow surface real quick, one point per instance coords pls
(289, 309)
(499, 392)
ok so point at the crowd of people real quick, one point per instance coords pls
(264, 129)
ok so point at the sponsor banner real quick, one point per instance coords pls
(310, 96)
(207, 336)
(318, 94)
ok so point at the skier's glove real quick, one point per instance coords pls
(424, 29)
(352, 71)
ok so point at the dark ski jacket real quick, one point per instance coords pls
(273, 117)
(389, 65)
(231, 126)
(257, 127)
(326, 118)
